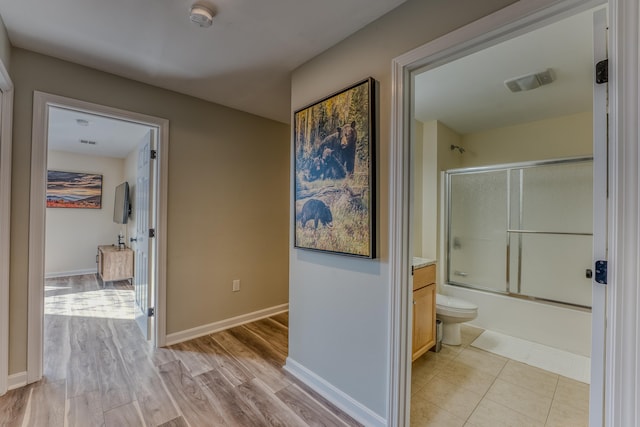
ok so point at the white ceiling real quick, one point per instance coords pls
(469, 94)
(113, 138)
(243, 61)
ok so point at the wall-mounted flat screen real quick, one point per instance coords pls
(122, 207)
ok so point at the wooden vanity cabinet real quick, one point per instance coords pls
(424, 310)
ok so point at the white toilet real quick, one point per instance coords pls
(452, 311)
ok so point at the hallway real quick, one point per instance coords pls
(99, 371)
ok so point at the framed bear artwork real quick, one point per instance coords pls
(334, 183)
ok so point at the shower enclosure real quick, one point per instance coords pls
(523, 230)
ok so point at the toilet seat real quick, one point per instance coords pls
(456, 307)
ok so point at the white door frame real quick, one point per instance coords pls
(600, 160)
(623, 347)
(6, 126)
(41, 103)
(622, 389)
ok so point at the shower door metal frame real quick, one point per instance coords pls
(507, 168)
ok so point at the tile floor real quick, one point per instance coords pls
(466, 386)
(550, 359)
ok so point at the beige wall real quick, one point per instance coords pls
(339, 325)
(227, 206)
(5, 46)
(448, 158)
(431, 155)
(73, 235)
(564, 136)
(437, 139)
(421, 190)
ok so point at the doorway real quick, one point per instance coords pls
(49, 112)
(6, 110)
(455, 46)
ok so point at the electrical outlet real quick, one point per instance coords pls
(236, 285)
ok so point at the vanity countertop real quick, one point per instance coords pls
(422, 262)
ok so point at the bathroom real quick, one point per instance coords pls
(503, 205)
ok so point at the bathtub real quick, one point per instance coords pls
(561, 327)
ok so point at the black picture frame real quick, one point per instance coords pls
(334, 172)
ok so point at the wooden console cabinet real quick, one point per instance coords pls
(424, 310)
(115, 264)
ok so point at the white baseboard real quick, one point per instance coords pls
(17, 380)
(70, 273)
(221, 325)
(355, 409)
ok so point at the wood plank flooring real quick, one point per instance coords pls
(99, 371)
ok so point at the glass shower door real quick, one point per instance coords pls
(523, 229)
(478, 230)
(554, 231)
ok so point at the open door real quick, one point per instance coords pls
(600, 159)
(5, 210)
(144, 242)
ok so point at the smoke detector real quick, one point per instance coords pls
(530, 81)
(201, 15)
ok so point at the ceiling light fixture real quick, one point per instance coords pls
(82, 122)
(530, 81)
(201, 15)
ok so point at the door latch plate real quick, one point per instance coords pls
(602, 72)
(601, 272)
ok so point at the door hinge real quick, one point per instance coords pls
(601, 272)
(602, 71)
(154, 154)
(152, 232)
(151, 312)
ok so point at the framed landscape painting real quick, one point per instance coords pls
(334, 180)
(74, 190)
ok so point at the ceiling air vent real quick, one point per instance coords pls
(530, 81)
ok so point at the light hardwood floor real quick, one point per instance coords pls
(99, 371)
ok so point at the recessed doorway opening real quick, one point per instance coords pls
(450, 138)
(96, 267)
